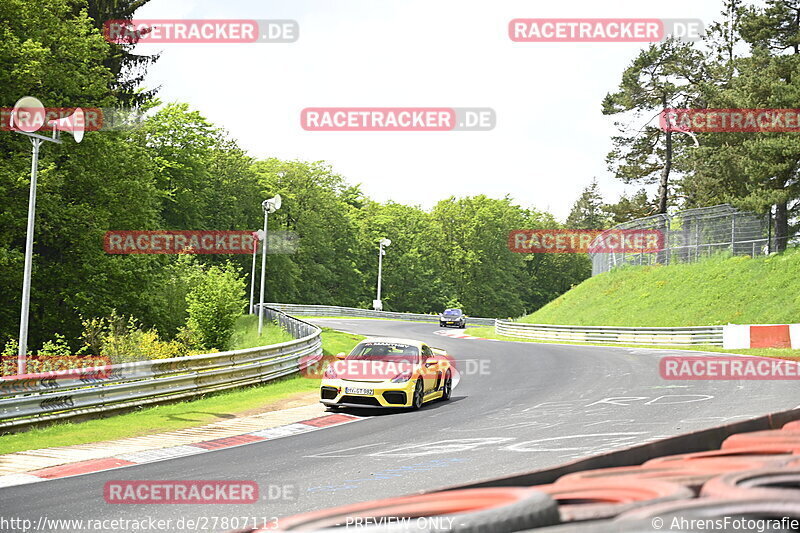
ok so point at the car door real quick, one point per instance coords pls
(430, 369)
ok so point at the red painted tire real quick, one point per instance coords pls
(692, 476)
(498, 510)
(593, 499)
(778, 483)
(762, 508)
(766, 440)
(743, 454)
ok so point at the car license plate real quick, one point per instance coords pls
(450, 322)
(354, 390)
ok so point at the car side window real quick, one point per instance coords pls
(426, 353)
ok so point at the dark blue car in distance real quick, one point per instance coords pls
(453, 317)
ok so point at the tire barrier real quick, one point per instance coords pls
(495, 510)
(775, 439)
(753, 476)
(771, 482)
(768, 457)
(591, 499)
(690, 476)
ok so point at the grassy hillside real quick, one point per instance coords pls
(717, 290)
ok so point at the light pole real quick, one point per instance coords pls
(269, 206)
(377, 304)
(27, 117)
(257, 236)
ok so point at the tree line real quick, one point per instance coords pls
(749, 59)
(176, 170)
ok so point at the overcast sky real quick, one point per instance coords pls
(550, 138)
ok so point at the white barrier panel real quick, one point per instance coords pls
(735, 337)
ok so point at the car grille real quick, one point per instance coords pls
(395, 397)
(329, 393)
(361, 400)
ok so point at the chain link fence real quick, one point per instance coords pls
(692, 234)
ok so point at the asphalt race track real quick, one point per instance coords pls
(518, 407)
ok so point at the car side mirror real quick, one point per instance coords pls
(341, 355)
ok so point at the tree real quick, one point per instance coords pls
(587, 211)
(128, 69)
(754, 171)
(661, 77)
(214, 304)
(315, 210)
(412, 280)
(630, 208)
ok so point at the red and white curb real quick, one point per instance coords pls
(737, 336)
(161, 454)
(457, 335)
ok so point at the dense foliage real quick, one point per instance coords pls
(176, 170)
(751, 60)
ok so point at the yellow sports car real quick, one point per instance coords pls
(387, 372)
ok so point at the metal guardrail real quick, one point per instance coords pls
(707, 335)
(703, 335)
(353, 312)
(66, 393)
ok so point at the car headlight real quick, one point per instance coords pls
(402, 377)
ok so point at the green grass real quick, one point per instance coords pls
(212, 408)
(246, 334)
(718, 290)
(334, 342)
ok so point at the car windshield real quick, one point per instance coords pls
(385, 351)
(452, 312)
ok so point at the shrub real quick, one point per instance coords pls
(214, 304)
